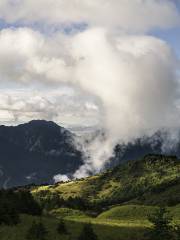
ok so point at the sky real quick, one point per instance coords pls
(39, 60)
(48, 58)
(92, 64)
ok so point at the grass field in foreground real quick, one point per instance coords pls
(105, 231)
(127, 222)
(136, 214)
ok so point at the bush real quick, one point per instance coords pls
(26, 204)
(162, 225)
(87, 233)
(8, 214)
(37, 232)
(61, 227)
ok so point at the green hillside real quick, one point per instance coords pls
(117, 203)
(136, 213)
(153, 180)
(127, 212)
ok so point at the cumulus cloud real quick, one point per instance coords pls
(134, 15)
(132, 76)
(136, 81)
(61, 105)
(28, 56)
(114, 73)
(60, 178)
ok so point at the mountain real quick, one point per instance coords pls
(34, 152)
(160, 142)
(153, 180)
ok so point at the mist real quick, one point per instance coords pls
(136, 79)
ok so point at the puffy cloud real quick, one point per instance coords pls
(134, 15)
(60, 178)
(131, 79)
(125, 73)
(135, 77)
(114, 73)
(61, 105)
(26, 55)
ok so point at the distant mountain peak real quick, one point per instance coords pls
(40, 147)
(41, 122)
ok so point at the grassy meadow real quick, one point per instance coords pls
(128, 222)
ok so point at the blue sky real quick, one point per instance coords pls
(172, 36)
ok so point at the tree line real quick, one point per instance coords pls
(14, 203)
(38, 231)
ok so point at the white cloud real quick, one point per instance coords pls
(62, 105)
(60, 178)
(27, 56)
(114, 73)
(131, 78)
(134, 15)
(135, 77)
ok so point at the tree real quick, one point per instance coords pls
(37, 231)
(26, 203)
(61, 227)
(87, 233)
(162, 228)
(8, 214)
(76, 203)
(177, 232)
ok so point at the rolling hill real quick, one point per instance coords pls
(153, 180)
(117, 202)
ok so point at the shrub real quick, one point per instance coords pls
(87, 233)
(61, 227)
(37, 231)
(162, 228)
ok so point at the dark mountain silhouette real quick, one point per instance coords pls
(158, 143)
(35, 152)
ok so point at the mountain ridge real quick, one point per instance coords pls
(36, 151)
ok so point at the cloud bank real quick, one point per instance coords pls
(112, 73)
(135, 15)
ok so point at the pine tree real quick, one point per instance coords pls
(162, 229)
(177, 232)
(61, 227)
(87, 233)
(27, 204)
(8, 214)
(37, 231)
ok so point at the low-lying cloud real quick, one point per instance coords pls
(136, 81)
